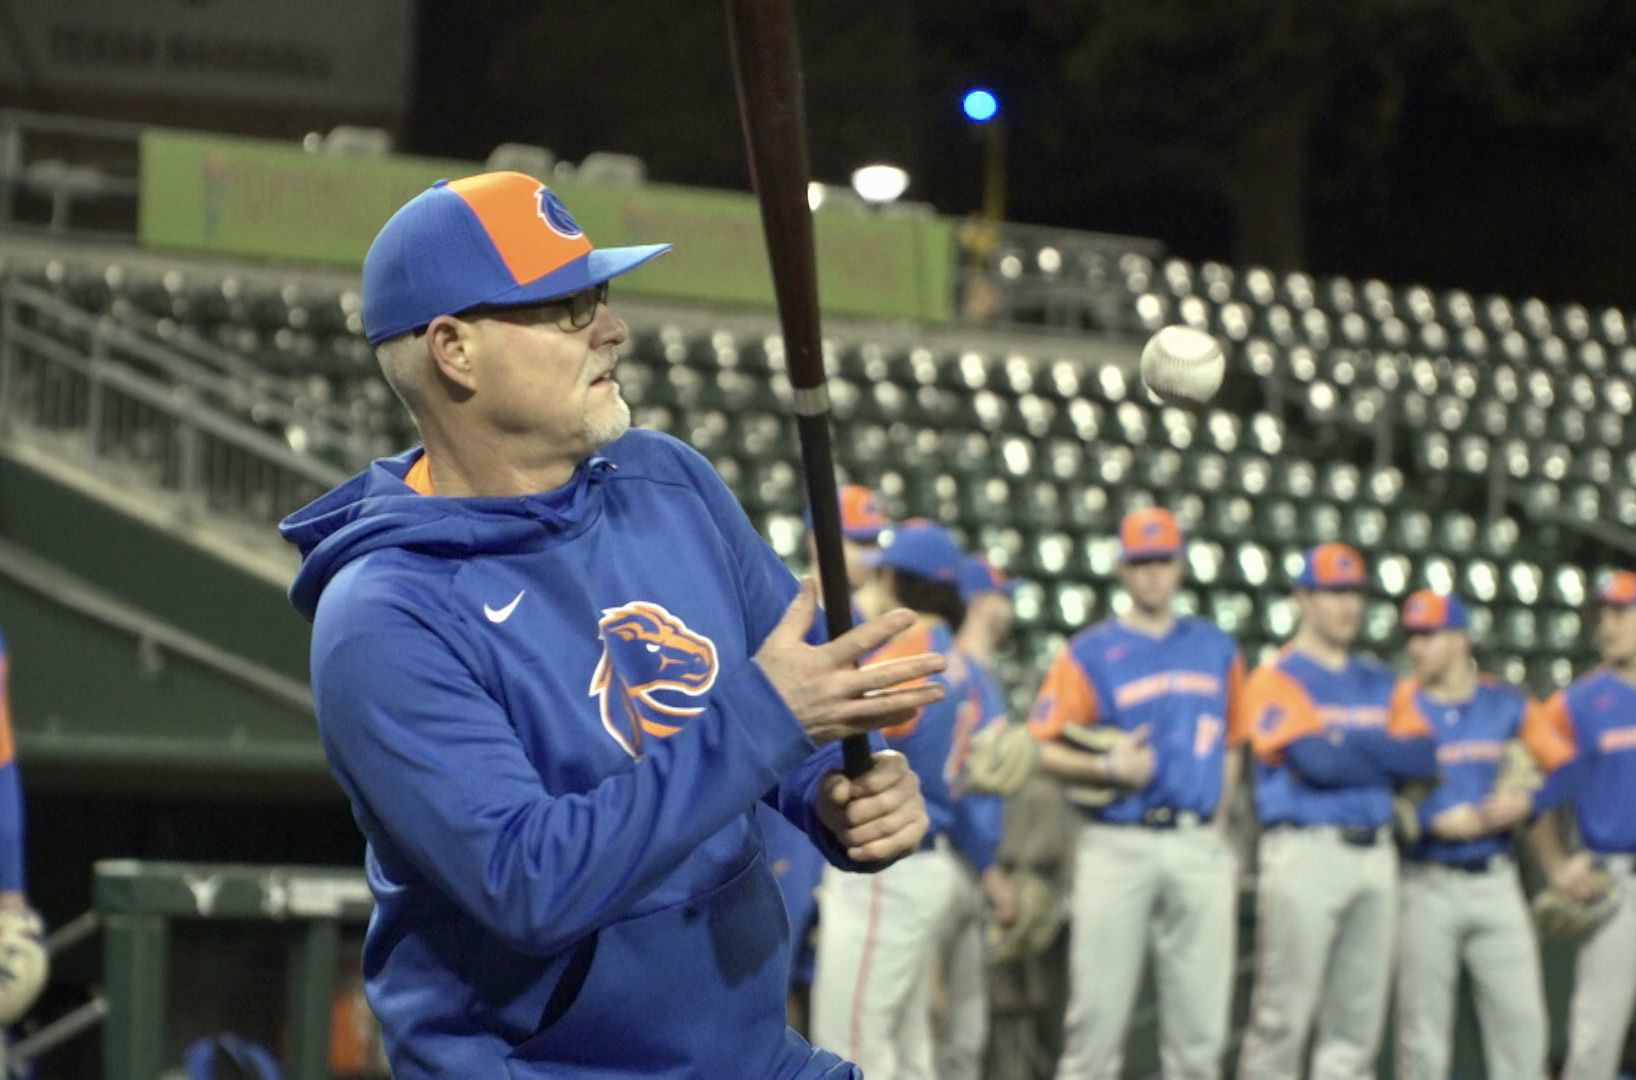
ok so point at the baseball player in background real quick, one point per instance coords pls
(1328, 752)
(21, 931)
(555, 668)
(13, 894)
(797, 865)
(1152, 868)
(1462, 898)
(878, 934)
(862, 522)
(984, 889)
(1585, 737)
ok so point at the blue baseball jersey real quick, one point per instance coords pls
(11, 789)
(1293, 697)
(1589, 729)
(1184, 687)
(1471, 738)
(935, 738)
(979, 820)
(546, 715)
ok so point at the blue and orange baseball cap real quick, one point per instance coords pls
(1618, 589)
(923, 548)
(495, 238)
(1426, 611)
(1150, 533)
(1333, 568)
(978, 576)
(862, 519)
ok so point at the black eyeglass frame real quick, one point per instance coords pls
(577, 308)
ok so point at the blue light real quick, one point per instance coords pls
(980, 106)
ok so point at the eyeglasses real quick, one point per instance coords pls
(568, 313)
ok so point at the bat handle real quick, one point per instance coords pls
(855, 756)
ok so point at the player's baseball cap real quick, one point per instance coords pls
(1426, 611)
(923, 548)
(1332, 568)
(1618, 589)
(862, 519)
(978, 576)
(494, 238)
(1150, 533)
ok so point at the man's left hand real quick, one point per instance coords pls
(879, 816)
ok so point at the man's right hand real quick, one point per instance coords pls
(823, 686)
(1130, 762)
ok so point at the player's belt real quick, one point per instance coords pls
(1351, 835)
(1497, 861)
(1165, 817)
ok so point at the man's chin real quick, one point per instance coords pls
(604, 429)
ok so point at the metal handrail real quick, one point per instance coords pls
(188, 412)
(64, 590)
(180, 366)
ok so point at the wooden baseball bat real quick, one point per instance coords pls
(767, 69)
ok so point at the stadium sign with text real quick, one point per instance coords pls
(355, 55)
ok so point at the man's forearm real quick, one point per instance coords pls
(1544, 843)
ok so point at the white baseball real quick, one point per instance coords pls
(1183, 366)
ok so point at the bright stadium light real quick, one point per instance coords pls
(980, 106)
(880, 184)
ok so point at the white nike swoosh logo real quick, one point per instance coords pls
(500, 615)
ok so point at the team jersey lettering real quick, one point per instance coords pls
(1207, 735)
(1149, 687)
(646, 652)
(1615, 739)
(1356, 716)
(1470, 752)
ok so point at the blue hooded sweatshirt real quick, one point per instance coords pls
(546, 716)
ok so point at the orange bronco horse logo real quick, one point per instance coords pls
(647, 651)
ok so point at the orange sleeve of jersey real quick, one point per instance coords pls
(1065, 697)
(1238, 717)
(911, 642)
(8, 749)
(1279, 711)
(1548, 732)
(1404, 720)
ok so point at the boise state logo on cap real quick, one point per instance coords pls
(1618, 589)
(1425, 611)
(1336, 567)
(1150, 533)
(556, 215)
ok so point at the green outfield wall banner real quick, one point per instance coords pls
(268, 200)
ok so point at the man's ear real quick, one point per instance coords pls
(452, 345)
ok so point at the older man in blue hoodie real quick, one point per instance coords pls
(555, 670)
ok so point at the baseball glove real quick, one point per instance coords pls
(24, 963)
(1559, 915)
(1039, 917)
(1002, 759)
(1518, 769)
(1094, 739)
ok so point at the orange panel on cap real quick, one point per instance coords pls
(508, 205)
